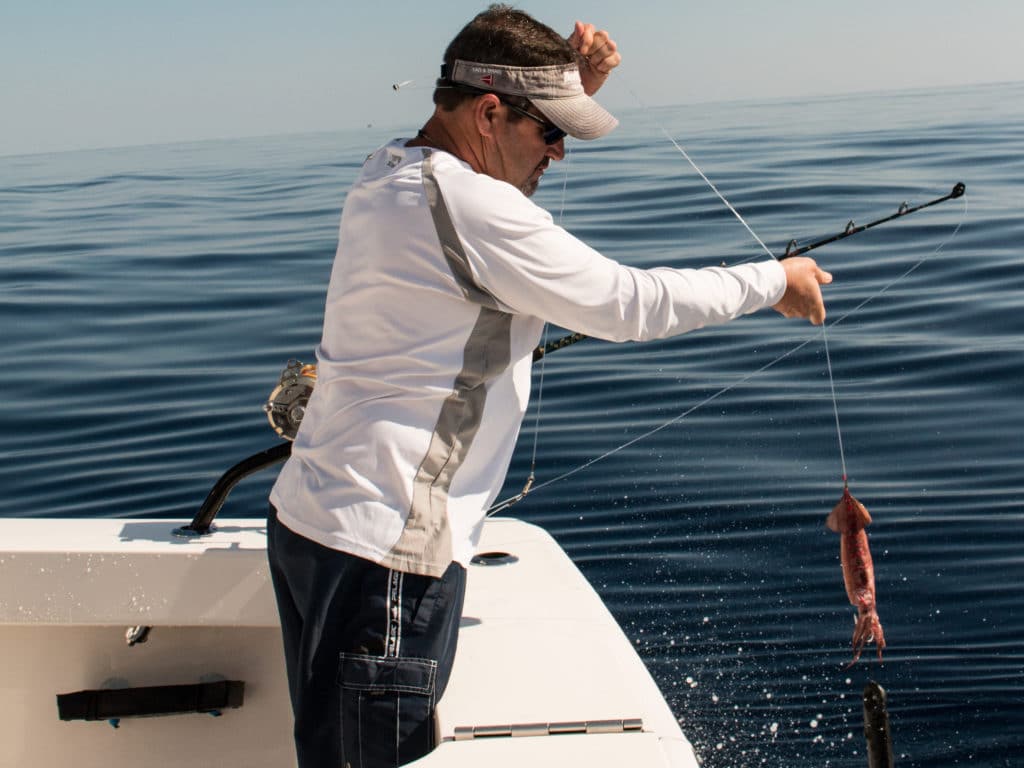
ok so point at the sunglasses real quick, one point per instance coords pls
(552, 133)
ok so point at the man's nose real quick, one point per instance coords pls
(556, 151)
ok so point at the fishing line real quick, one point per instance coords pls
(707, 181)
(529, 483)
(715, 190)
(544, 333)
(824, 331)
(503, 505)
(835, 403)
(865, 302)
(912, 268)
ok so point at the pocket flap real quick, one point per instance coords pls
(387, 673)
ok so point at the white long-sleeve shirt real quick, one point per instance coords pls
(440, 288)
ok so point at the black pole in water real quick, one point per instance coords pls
(791, 250)
(876, 727)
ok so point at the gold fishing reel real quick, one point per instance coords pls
(286, 404)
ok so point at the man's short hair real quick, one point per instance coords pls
(502, 35)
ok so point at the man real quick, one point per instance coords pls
(444, 276)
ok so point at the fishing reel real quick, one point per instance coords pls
(286, 404)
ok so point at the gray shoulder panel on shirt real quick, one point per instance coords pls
(451, 246)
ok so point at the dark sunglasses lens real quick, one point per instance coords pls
(553, 135)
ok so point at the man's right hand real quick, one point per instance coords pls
(802, 298)
(600, 52)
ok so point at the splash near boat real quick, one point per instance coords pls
(849, 518)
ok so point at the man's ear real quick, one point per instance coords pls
(485, 112)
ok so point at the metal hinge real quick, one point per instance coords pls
(466, 732)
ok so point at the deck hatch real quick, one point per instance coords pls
(628, 725)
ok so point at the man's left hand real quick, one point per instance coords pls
(599, 51)
(802, 298)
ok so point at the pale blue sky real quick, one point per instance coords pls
(98, 73)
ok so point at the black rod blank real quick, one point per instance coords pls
(851, 229)
(791, 250)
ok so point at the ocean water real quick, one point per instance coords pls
(150, 296)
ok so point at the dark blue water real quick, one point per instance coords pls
(149, 298)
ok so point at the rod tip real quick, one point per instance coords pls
(958, 189)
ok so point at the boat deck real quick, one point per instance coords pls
(538, 653)
(538, 646)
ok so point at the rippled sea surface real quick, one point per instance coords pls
(149, 298)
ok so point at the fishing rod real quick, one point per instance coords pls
(851, 229)
(791, 250)
(287, 402)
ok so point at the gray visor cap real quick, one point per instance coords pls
(556, 91)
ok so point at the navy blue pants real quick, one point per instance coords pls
(368, 651)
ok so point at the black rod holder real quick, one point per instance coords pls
(203, 520)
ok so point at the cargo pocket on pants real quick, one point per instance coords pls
(387, 706)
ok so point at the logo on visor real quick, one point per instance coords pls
(487, 79)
